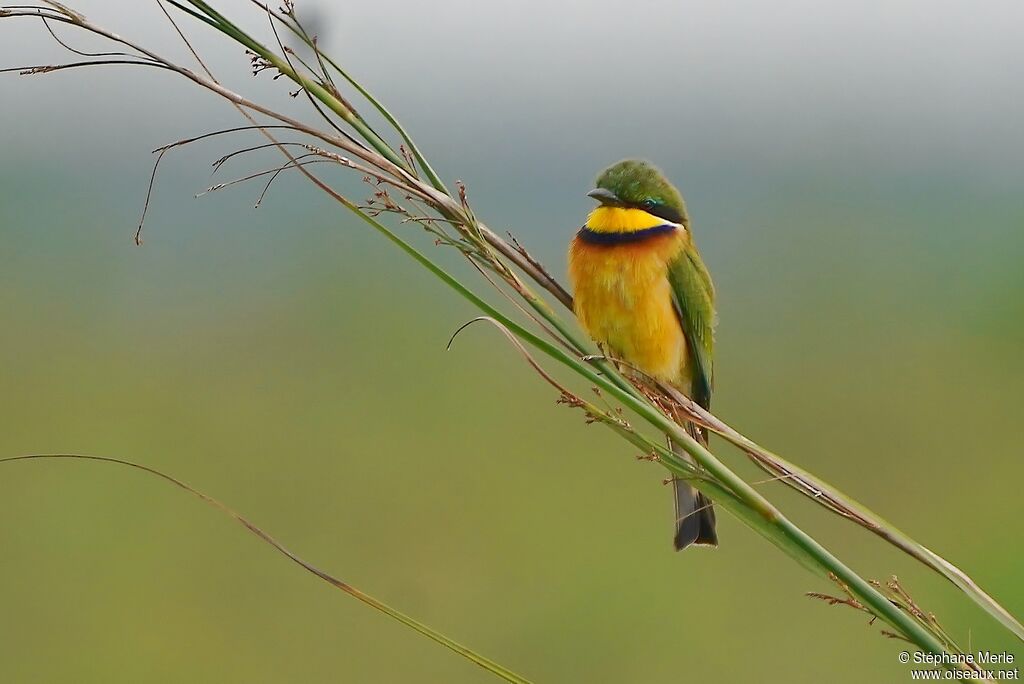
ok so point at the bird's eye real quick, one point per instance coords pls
(648, 204)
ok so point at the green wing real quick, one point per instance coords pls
(694, 297)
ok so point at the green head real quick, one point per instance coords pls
(637, 184)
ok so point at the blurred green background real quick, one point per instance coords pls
(854, 172)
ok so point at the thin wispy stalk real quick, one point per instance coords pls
(658, 411)
(376, 604)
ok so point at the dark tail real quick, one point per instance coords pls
(695, 514)
(695, 517)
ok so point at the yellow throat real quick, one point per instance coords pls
(623, 220)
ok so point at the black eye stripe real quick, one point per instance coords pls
(662, 211)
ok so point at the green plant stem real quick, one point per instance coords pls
(826, 494)
(739, 488)
(383, 148)
(314, 88)
(432, 176)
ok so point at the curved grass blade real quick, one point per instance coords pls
(486, 663)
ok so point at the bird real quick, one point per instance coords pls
(642, 293)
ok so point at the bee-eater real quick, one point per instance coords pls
(643, 294)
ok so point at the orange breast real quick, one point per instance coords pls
(623, 299)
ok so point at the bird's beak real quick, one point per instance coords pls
(604, 196)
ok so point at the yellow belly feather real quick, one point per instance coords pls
(623, 298)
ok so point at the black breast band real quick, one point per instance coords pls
(594, 237)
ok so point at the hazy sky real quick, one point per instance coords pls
(902, 86)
